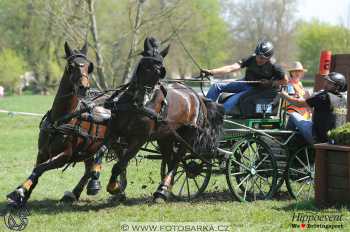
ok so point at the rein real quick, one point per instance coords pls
(210, 81)
(116, 90)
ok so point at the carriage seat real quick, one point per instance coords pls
(258, 106)
(98, 114)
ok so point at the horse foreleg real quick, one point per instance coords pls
(22, 193)
(94, 185)
(69, 196)
(117, 187)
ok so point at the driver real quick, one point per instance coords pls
(258, 68)
(329, 110)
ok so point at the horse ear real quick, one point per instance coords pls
(67, 49)
(165, 51)
(147, 44)
(84, 48)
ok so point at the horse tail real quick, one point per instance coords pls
(215, 114)
(208, 135)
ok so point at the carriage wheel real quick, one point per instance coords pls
(191, 177)
(301, 174)
(251, 171)
(281, 156)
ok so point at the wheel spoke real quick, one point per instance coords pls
(188, 189)
(182, 186)
(259, 187)
(202, 175)
(303, 178)
(250, 151)
(264, 170)
(295, 170)
(244, 179)
(245, 190)
(261, 161)
(243, 155)
(301, 188)
(194, 179)
(240, 164)
(237, 173)
(307, 158)
(300, 161)
(254, 194)
(178, 177)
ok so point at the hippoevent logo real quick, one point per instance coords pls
(16, 218)
(317, 220)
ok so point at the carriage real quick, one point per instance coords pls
(256, 153)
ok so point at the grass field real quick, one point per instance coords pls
(18, 141)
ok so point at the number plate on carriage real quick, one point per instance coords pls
(263, 108)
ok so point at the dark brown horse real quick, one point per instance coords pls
(65, 137)
(163, 116)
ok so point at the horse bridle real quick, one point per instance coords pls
(69, 60)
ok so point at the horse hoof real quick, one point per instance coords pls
(114, 188)
(161, 193)
(16, 198)
(68, 197)
(93, 187)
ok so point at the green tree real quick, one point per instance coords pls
(36, 31)
(315, 36)
(12, 66)
(201, 27)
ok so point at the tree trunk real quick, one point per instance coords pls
(134, 40)
(97, 46)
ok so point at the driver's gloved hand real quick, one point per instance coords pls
(205, 73)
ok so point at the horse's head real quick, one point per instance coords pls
(150, 68)
(78, 69)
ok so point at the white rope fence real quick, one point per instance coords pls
(13, 113)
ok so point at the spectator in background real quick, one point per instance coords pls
(296, 89)
(2, 91)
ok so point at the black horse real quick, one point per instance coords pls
(147, 111)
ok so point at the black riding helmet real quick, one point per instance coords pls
(264, 49)
(338, 79)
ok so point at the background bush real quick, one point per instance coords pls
(340, 135)
(12, 66)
